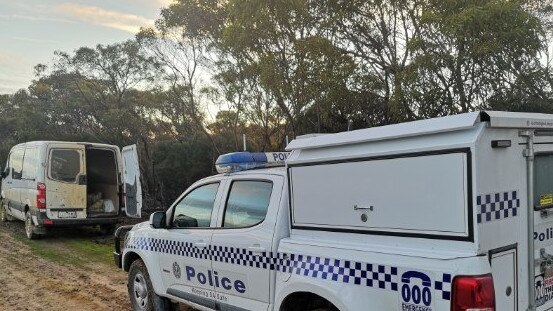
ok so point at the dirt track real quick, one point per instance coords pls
(30, 282)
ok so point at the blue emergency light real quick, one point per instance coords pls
(241, 161)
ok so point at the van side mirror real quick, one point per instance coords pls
(158, 220)
(4, 173)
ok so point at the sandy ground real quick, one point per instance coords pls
(30, 282)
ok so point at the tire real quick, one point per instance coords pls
(30, 227)
(141, 291)
(5, 217)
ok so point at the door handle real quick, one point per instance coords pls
(200, 244)
(257, 249)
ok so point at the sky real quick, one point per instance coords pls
(32, 30)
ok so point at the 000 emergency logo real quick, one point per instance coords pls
(416, 291)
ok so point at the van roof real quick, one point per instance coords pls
(43, 142)
(496, 119)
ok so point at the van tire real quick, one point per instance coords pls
(4, 211)
(141, 291)
(30, 227)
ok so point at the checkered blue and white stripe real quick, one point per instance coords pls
(497, 206)
(330, 269)
(444, 286)
(339, 270)
(243, 257)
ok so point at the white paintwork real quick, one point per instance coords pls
(505, 279)
(427, 192)
(402, 193)
(402, 130)
(131, 178)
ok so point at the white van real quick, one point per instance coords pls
(49, 183)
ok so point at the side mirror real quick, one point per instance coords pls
(183, 221)
(158, 220)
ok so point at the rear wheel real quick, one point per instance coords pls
(141, 291)
(4, 212)
(30, 227)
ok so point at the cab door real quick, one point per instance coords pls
(131, 180)
(66, 181)
(243, 244)
(184, 247)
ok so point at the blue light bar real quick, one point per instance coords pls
(240, 161)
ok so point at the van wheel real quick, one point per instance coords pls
(29, 227)
(4, 213)
(141, 291)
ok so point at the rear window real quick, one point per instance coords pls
(65, 165)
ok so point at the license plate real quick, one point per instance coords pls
(67, 214)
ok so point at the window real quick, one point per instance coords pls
(543, 183)
(247, 203)
(194, 210)
(30, 163)
(65, 165)
(16, 163)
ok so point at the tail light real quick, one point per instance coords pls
(41, 196)
(473, 293)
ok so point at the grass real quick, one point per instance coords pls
(77, 251)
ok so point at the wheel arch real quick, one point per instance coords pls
(129, 258)
(155, 277)
(299, 291)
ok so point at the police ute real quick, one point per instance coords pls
(452, 213)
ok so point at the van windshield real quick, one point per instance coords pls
(65, 165)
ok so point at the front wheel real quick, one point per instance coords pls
(141, 291)
(30, 227)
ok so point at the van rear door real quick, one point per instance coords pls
(66, 181)
(131, 178)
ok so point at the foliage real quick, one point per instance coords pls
(282, 68)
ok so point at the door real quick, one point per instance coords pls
(31, 164)
(243, 244)
(543, 225)
(66, 181)
(13, 183)
(131, 177)
(184, 249)
(504, 273)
